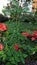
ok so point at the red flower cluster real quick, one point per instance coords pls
(25, 34)
(31, 36)
(3, 27)
(1, 46)
(16, 47)
(34, 35)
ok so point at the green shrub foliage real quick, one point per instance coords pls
(18, 40)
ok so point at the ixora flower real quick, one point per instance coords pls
(25, 34)
(34, 31)
(16, 47)
(3, 27)
(34, 34)
(33, 38)
(1, 47)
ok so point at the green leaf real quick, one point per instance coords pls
(25, 55)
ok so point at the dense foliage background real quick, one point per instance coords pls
(19, 40)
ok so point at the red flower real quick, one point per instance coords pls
(33, 38)
(16, 47)
(25, 34)
(35, 33)
(3, 27)
(1, 47)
